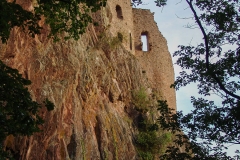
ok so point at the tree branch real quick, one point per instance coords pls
(212, 74)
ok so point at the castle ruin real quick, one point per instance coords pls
(155, 59)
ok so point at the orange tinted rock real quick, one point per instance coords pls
(91, 88)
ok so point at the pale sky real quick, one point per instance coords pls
(172, 21)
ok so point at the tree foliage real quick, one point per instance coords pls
(67, 16)
(11, 15)
(18, 112)
(216, 70)
(71, 17)
(197, 134)
(214, 66)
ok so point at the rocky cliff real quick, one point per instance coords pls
(91, 82)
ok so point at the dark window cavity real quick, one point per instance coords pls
(119, 12)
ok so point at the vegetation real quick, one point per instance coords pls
(116, 41)
(140, 100)
(214, 65)
(150, 140)
(214, 68)
(18, 112)
(71, 17)
(108, 43)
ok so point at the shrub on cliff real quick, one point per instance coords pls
(150, 140)
(140, 100)
(18, 112)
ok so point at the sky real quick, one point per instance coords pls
(173, 21)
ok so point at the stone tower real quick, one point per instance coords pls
(122, 21)
(155, 59)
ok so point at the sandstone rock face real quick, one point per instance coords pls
(90, 91)
(91, 83)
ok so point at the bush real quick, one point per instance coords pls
(147, 140)
(140, 100)
(165, 139)
(150, 141)
(19, 113)
(109, 43)
(146, 155)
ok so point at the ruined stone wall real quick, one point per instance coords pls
(90, 86)
(124, 24)
(156, 63)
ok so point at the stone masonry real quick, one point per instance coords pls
(156, 63)
(122, 21)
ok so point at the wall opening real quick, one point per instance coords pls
(130, 40)
(119, 12)
(144, 40)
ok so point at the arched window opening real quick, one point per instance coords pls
(119, 12)
(144, 40)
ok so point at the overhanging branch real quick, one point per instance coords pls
(212, 74)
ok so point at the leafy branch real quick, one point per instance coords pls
(207, 52)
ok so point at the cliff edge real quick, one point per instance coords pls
(91, 82)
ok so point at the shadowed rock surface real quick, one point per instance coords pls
(90, 81)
